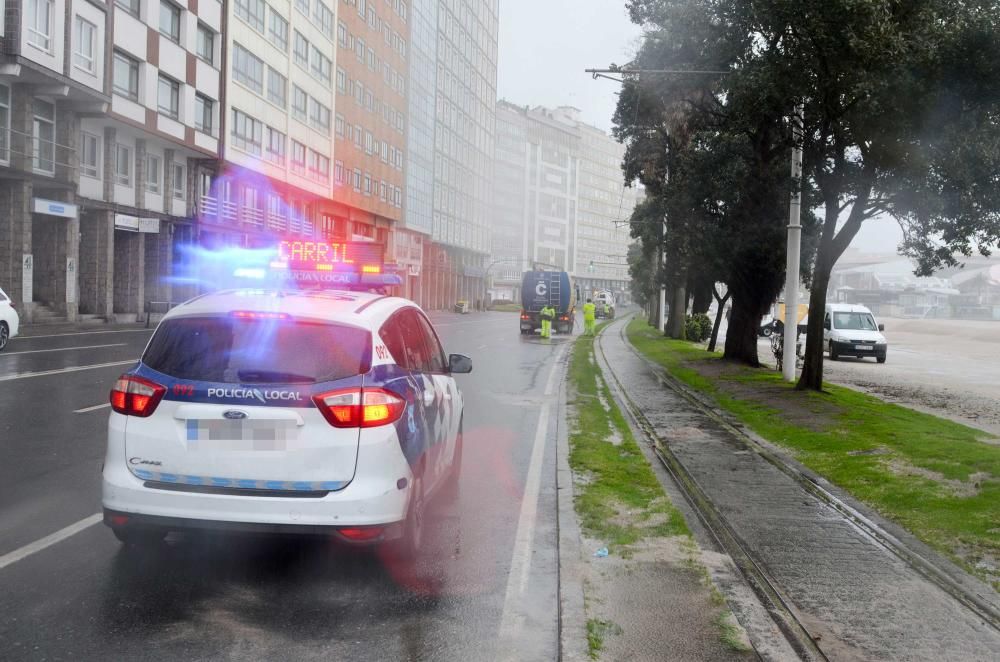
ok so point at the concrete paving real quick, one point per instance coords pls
(855, 597)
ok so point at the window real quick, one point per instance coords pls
(301, 50)
(169, 97)
(252, 11)
(131, 6)
(338, 172)
(44, 135)
(321, 66)
(248, 69)
(385, 152)
(123, 165)
(319, 116)
(170, 21)
(153, 173)
(89, 155)
(324, 18)
(278, 31)
(247, 133)
(4, 123)
(382, 191)
(302, 6)
(206, 44)
(277, 88)
(359, 49)
(39, 20)
(300, 103)
(372, 60)
(341, 34)
(178, 182)
(298, 157)
(341, 80)
(368, 184)
(359, 135)
(83, 56)
(126, 76)
(356, 180)
(275, 148)
(361, 8)
(204, 111)
(369, 142)
(339, 125)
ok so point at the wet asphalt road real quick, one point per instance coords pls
(235, 597)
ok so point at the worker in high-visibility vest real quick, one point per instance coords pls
(548, 313)
(589, 317)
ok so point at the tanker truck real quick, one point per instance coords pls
(553, 288)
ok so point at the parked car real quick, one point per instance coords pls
(851, 330)
(9, 320)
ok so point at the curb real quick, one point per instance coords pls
(572, 615)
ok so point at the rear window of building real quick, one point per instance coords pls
(252, 351)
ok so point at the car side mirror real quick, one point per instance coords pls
(826, 325)
(881, 327)
(459, 363)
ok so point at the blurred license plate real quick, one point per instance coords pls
(237, 435)
(864, 347)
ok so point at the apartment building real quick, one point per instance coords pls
(510, 181)
(106, 112)
(373, 45)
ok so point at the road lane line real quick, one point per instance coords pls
(62, 349)
(49, 540)
(520, 565)
(80, 333)
(94, 408)
(78, 368)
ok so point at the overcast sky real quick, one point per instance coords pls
(546, 44)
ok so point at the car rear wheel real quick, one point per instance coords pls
(4, 335)
(409, 545)
(450, 490)
(766, 332)
(833, 352)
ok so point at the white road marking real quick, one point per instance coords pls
(81, 333)
(42, 373)
(94, 408)
(49, 540)
(521, 560)
(62, 349)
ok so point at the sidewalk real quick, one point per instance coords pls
(33, 330)
(856, 598)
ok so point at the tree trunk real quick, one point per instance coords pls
(678, 314)
(812, 363)
(701, 298)
(718, 318)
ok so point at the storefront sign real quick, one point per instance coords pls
(125, 222)
(53, 208)
(151, 225)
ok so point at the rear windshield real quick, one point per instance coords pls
(251, 351)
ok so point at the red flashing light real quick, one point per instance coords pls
(259, 315)
(360, 408)
(361, 533)
(135, 396)
(371, 269)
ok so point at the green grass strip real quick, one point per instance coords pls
(938, 479)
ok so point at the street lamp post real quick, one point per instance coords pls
(793, 252)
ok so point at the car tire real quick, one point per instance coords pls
(880, 359)
(833, 352)
(409, 545)
(139, 537)
(4, 335)
(766, 331)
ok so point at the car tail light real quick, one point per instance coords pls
(525, 316)
(360, 408)
(135, 396)
(361, 533)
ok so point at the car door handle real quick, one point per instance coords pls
(428, 398)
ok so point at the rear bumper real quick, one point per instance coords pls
(851, 349)
(378, 495)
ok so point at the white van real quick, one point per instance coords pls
(851, 330)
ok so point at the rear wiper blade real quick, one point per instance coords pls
(274, 377)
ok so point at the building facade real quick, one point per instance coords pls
(560, 200)
(462, 85)
(106, 113)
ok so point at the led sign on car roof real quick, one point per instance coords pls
(351, 256)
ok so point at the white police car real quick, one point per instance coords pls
(285, 411)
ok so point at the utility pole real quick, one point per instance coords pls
(794, 248)
(663, 285)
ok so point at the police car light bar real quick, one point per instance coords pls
(332, 263)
